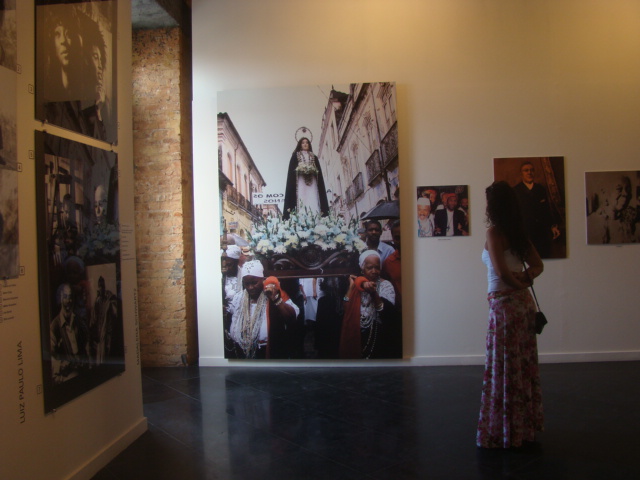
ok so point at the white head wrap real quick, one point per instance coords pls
(253, 268)
(365, 254)
(424, 201)
(233, 251)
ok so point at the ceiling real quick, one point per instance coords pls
(150, 14)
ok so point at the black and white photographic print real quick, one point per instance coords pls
(310, 250)
(613, 207)
(539, 186)
(9, 232)
(79, 267)
(8, 34)
(9, 247)
(443, 211)
(75, 66)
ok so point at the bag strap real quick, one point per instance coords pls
(531, 286)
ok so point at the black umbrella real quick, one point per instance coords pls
(383, 211)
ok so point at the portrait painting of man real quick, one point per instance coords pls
(539, 186)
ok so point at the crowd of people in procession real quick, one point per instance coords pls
(341, 316)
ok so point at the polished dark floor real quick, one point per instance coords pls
(376, 423)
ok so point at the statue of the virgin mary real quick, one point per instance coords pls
(305, 188)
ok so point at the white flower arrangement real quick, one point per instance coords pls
(306, 168)
(304, 228)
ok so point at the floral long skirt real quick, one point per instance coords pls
(511, 409)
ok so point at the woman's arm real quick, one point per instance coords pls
(370, 287)
(496, 247)
(351, 290)
(535, 267)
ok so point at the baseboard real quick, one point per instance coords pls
(424, 361)
(543, 357)
(581, 357)
(111, 451)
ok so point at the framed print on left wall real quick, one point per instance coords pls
(79, 267)
(9, 219)
(76, 66)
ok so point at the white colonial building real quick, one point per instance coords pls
(239, 179)
(359, 148)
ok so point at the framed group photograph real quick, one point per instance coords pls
(613, 207)
(76, 66)
(79, 267)
(539, 185)
(443, 211)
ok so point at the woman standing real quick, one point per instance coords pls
(511, 409)
(305, 184)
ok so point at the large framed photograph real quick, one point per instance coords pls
(443, 211)
(310, 221)
(9, 245)
(539, 185)
(76, 66)
(613, 207)
(79, 267)
(9, 231)
(8, 35)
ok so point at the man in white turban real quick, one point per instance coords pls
(425, 218)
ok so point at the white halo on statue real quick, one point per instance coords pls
(303, 132)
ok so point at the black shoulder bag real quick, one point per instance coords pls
(541, 320)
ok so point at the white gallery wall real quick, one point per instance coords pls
(476, 80)
(81, 436)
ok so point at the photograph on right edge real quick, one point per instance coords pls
(613, 207)
(539, 185)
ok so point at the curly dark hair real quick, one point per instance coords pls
(503, 212)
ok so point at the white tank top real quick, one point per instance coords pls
(495, 283)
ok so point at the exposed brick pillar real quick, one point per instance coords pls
(163, 166)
